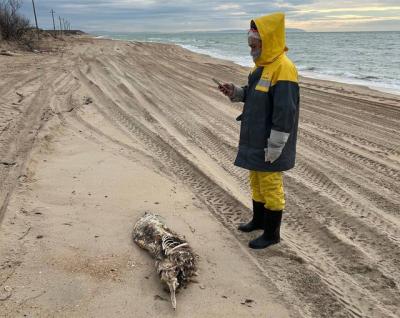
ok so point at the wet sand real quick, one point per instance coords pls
(94, 136)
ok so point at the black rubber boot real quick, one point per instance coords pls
(271, 235)
(258, 219)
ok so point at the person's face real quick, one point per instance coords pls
(255, 48)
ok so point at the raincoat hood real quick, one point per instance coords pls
(272, 32)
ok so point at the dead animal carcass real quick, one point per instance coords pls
(176, 263)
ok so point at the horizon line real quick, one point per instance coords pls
(293, 30)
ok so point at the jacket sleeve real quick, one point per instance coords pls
(285, 105)
(239, 94)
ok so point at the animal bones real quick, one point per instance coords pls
(176, 263)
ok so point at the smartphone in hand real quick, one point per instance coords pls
(217, 82)
(224, 88)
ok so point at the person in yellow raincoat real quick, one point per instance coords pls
(269, 123)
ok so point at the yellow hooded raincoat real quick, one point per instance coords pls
(271, 100)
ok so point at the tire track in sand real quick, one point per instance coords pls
(346, 304)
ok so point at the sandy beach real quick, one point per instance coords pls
(96, 134)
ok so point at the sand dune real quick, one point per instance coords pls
(142, 125)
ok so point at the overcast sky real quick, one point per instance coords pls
(187, 15)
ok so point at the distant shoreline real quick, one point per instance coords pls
(236, 31)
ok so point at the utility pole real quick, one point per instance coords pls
(60, 25)
(65, 25)
(54, 24)
(34, 12)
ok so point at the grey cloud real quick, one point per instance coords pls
(169, 15)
